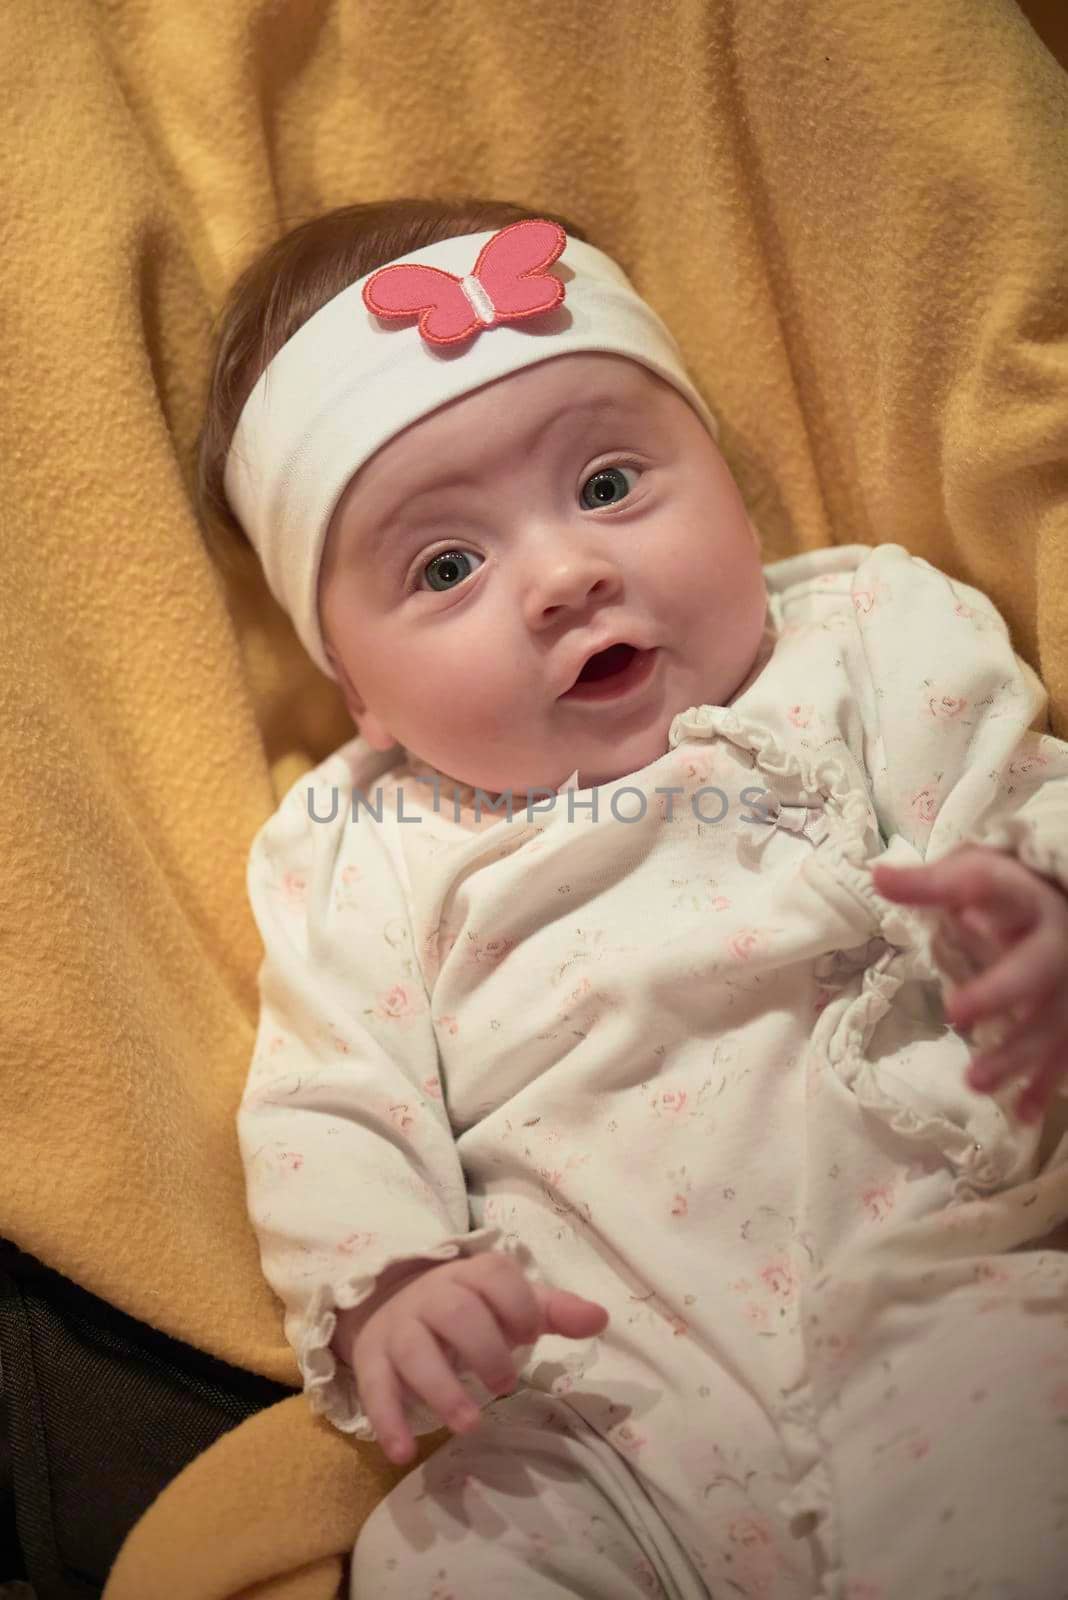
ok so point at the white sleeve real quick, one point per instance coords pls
(955, 738)
(956, 743)
(351, 1167)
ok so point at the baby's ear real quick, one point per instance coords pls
(368, 724)
(377, 735)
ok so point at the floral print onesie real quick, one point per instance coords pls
(664, 1042)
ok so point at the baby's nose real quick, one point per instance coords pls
(568, 583)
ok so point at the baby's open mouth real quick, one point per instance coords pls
(606, 662)
(613, 673)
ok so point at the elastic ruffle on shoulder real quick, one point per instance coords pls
(329, 1384)
(971, 1131)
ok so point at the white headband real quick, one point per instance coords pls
(351, 378)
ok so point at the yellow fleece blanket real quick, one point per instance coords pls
(854, 217)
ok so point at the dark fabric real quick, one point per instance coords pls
(98, 1413)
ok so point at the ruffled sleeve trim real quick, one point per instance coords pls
(328, 1383)
(972, 1131)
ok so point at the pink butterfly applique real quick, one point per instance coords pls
(510, 280)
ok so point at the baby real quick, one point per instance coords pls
(609, 1104)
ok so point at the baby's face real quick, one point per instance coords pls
(480, 557)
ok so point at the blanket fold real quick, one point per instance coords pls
(852, 216)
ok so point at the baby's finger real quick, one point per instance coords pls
(462, 1320)
(1021, 1049)
(1040, 1090)
(959, 950)
(1028, 974)
(503, 1287)
(969, 877)
(419, 1359)
(381, 1396)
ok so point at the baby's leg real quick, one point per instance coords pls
(533, 1504)
(943, 1413)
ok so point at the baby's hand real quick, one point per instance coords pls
(1014, 925)
(482, 1307)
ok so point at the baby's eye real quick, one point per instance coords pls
(449, 568)
(607, 487)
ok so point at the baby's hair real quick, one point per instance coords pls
(291, 280)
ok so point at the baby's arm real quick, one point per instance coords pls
(470, 1314)
(351, 1166)
(956, 746)
(1012, 925)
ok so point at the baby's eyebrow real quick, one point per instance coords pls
(586, 406)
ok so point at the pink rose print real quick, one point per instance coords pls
(396, 1004)
(800, 715)
(487, 952)
(294, 887)
(697, 769)
(780, 1278)
(746, 942)
(757, 1558)
(671, 1099)
(721, 903)
(432, 1088)
(292, 1160)
(345, 899)
(448, 1023)
(627, 1438)
(947, 706)
(878, 1202)
(924, 804)
(756, 1314)
(401, 1117)
(354, 1242)
(1023, 766)
(865, 600)
(749, 1531)
(643, 1571)
(276, 1044)
(680, 1204)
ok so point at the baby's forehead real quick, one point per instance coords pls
(586, 387)
(546, 406)
(603, 373)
